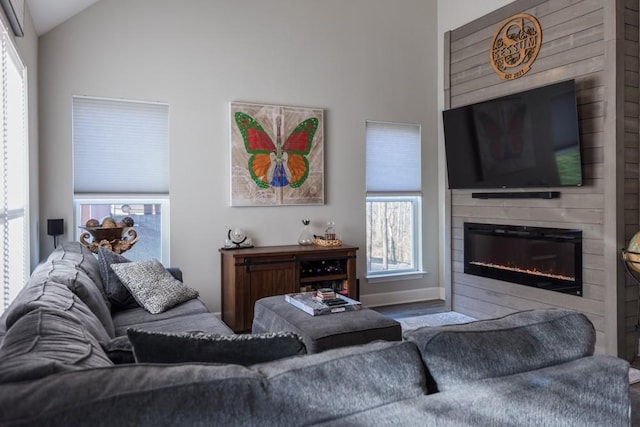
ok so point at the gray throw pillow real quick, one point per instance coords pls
(189, 347)
(152, 285)
(117, 293)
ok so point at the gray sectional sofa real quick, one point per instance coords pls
(532, 368)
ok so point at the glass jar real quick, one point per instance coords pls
(305, 238)
(330, 231)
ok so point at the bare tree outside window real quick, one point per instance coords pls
(390, 236)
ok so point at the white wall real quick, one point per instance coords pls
(452, 14)
(357, 59)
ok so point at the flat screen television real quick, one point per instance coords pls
(523, 140)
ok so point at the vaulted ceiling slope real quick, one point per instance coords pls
(47, 14)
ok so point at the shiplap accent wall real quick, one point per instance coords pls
(631, 159)
(594, 42)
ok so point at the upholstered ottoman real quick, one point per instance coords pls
(274, 314)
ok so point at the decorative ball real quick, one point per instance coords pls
(92, 223)
(109, 222)
(127, 221)
(633, 259)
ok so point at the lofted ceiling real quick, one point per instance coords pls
(47, 14)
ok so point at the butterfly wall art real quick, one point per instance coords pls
(276, 155)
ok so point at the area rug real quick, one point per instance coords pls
(436, 319)
(634, 375)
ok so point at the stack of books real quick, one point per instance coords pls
(314, 304)
(325, 293)
(328, 297)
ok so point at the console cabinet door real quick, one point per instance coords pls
(268, 277)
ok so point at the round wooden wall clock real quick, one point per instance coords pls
(515, 46)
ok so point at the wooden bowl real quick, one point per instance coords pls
(105, 233)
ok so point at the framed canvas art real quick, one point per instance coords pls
(277, 155)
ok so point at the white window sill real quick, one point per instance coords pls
(393, 277)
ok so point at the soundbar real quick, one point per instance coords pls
(518, 195)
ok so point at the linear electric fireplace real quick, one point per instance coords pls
(546, 258)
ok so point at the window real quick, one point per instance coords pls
(149, 222)
(15, 174)
(121, 168)
(393, 177)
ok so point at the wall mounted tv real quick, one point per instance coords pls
(523, 140)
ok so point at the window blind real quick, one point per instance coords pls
(392, 158)
(14, 174)
(120, 146)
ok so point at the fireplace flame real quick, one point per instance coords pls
(523, 270)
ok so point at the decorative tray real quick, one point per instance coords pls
(328, 243)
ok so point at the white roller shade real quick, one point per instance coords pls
(120, 146)
(393, 157)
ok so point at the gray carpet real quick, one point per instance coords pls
(436, 319)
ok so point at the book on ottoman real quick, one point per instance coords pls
(311, 304)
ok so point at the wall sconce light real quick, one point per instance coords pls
(55, 228)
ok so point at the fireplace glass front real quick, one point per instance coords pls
(546, 258)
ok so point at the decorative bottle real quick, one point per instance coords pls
(330, 231)
(305, 238)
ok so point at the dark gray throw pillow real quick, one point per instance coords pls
(242, 349)
(118, 294)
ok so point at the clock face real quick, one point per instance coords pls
(237, 235)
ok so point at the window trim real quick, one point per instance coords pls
(394, 151)
(405, 274)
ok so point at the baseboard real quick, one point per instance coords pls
(401, 297)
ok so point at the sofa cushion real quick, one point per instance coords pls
(116, 292)
(134, 316)
(293, 391)
(206, 322)
(46, 341)
(140, 395)
(519, 342)
(58, 296)
(328, 385)
(80, 283)
(152, 286)
(590, 391)
(83, 259)
(245, 349)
